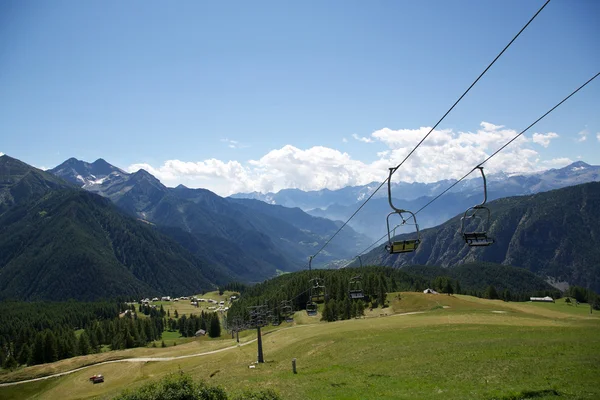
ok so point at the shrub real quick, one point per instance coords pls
(177, 386)
(265, 394)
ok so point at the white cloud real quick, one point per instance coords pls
(362, 139)
(445, 154)
(344, 140)
(557, 162)
(544, 140)
(598, 136)
(234, 144)
(582, 136)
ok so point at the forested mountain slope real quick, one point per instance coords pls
(19, 182)
(75, 244)
(553, 234)
(60, 242)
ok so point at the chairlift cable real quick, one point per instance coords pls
(492, 155)
(433, 128)
(507, 143)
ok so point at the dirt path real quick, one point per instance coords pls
(137, 359)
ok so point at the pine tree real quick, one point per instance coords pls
(381, 294)
(215, 326)
(448, 287)
(491, 293)
(50, 347)
(360, 308)
(84, 344)
(24, 355)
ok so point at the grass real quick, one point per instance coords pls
(462, 348)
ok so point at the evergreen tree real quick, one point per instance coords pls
(10, 363)
(50, 347)
(39, 356)
(381, 297)
(360, 308)
(24, 355)
(448, 288)
(215, 326)
(84, 346)
(347, 310)
(491, 293)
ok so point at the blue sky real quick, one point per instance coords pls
(241, 96)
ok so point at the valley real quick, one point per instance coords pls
(427, 346)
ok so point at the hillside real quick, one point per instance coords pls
(553, 234)
(19, 182)
(59, 242)
(74, 244)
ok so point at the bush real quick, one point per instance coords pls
(178, 386)
(266, 394)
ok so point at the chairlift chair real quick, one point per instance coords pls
(400, 246)
(477, 238)
(317, 290)
(355, 290)
(311, 309)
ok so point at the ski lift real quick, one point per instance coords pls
(317, 291)
(400, 246)
(360, 261)
(286, 310)
(355, 290)
(477, 238)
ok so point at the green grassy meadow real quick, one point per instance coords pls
(457, 347)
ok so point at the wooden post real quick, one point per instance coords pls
(260, 350)
(294, 365)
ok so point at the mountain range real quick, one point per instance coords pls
(341, 204)
(59, 242)
(251, 239)
(554, 234)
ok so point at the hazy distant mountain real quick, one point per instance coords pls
(60, 242)
(341, 204)
(263, 238)
(554, 234)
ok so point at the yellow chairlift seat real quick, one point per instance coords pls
(403, 246)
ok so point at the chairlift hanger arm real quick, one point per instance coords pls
(480, 168)
(389, 182)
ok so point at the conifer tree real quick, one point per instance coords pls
(215, 326)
